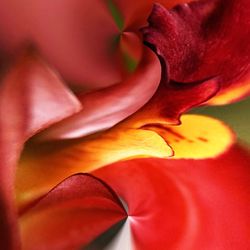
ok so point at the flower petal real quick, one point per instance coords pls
(185, 204)
(43, 166)
(197, 137)
(32, 97)
(81, 208)
(197, 41)
(76, 37)
(105, 108)
(135, 13)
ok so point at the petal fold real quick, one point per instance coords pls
(185, 204)
(32, 97)
(204, 39)
(42, 166)
(105, 108)
(81, 207)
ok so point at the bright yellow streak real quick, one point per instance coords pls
(231, 94)
(43, 166)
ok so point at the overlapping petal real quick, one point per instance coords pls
(32, 97)
(104, 108)
(42, 166)
(185, 204)
(178, 204)
(71, 215)
(104, 47)
(76, 37)
(204, 39)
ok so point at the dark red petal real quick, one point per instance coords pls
(204, 39)
(104, 108)
(185, 204)
(171, 100)
(71, 215)
(32, 97)
(135, 13)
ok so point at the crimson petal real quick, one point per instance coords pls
(80, 208)
(204, 39)
(32, 97)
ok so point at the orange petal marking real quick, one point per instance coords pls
(232, 94)
(198, 137)
(42, 166)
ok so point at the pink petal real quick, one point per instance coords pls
(32, 97)
(103, 109)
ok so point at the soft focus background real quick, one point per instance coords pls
(236, 115)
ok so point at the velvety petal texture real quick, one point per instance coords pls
(32, 97)
(173, 204)
(204, 39)
(77, 41)
(71, 215)
(91, 51)
(42, 166)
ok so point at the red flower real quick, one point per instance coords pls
(178, 204)
(202, 61)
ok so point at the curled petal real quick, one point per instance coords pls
(198, 41)
(172, 100)
(198, 137)
(81, 208)
(78, 42)
(105, 108)
(178, 204)
(32, 97)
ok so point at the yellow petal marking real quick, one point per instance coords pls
(198, 137)
(43, 166)
(231, 94)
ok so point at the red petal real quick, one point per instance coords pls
(80, 208)
(171, 100)
(135, 13)
(104, 108)
(77, 37)
(185, 204)
(204, 39)
(32, 97)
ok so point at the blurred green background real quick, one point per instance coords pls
(236, 115)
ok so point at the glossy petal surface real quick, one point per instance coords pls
(32, 97)
(185, 204)
(105, 108)
(204, 39)
(42, 166)
(78, 42)
(178, 204)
